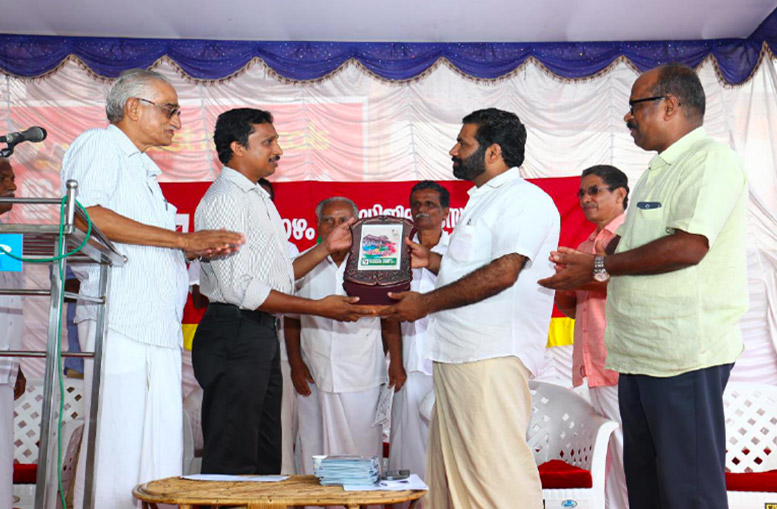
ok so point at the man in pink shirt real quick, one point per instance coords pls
(603, 195)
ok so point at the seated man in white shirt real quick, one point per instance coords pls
(429, 205)
(338, 368)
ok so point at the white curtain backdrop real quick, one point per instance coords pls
(354, 127)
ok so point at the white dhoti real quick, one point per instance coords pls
(338, 423)
(605, 401)
(140, 418)
(409, 429)
(6, 445)
(478, 456)
(288, 421)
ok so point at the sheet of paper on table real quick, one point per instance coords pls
(235, 478)
(411, 483)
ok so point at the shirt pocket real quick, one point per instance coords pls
(649, 225)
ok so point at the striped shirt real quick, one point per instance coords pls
(244, 278)
(146, 296)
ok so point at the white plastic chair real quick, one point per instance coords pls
(751, 438)
(27, 415)
(564, 426)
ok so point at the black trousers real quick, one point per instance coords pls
(236, 360)
(674, 439)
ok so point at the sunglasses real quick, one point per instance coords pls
(592, 191)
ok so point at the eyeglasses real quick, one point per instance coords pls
(592, 191)
(171, 110)
(644, 100)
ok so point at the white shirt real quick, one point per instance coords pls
(505, 215)
(293, 253)
(262, 264)
(341, 356)
(414, 354)
(11, 324)
(146, 296)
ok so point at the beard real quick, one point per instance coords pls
(471, 167)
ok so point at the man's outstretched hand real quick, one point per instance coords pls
(573, 269)
(410, 306)
(211, 243)
(343, 309)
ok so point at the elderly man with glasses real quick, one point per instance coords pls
(139, 435)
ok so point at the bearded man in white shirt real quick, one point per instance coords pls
(140, 426)
(338, 368)
(490, 322)
(429, 206)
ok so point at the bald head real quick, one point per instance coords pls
(682, 82)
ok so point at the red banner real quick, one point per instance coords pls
(296, 202)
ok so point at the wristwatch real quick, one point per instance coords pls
(600, 273)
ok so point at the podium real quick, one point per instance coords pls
(42, 242)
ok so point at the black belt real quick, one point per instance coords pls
(257, 316)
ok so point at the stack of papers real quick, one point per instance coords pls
(351, 471)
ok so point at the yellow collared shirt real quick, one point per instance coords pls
(668, 324)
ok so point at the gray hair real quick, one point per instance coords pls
(131, 83)
(336, 199)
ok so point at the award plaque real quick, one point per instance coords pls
(379, 260)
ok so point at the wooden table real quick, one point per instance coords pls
(296, 490)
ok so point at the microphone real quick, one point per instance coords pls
(33, 134)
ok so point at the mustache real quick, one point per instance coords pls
(275, 159)
(631, 125)
(456, 159)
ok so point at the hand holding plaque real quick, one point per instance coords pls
(379, 260)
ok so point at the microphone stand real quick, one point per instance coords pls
(8, 151)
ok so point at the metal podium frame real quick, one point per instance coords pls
(41, 241)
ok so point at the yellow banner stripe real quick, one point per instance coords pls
(188, 335)
(562, 331)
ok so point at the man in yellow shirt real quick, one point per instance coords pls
(678, 291)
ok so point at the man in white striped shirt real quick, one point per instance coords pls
(236, 354)
(139, 436)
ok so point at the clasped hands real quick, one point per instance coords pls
(573, 269)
